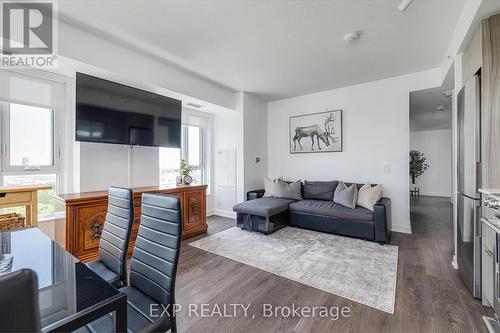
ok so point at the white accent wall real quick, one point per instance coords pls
(245, 131)
(376, 137)
(437, 147)
(228, 135)
(103, 165)
(255, 142)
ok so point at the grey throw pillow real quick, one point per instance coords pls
(346, 196)
(289, 190)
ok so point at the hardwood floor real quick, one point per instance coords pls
(430, 296)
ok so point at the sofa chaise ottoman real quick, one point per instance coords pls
(265, 215)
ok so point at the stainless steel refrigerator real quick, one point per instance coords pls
(469, 181)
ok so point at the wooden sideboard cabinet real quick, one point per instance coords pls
(85, 214)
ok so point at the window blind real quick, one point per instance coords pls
(21, 88)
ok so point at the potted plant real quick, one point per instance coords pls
(185, 171)
(418, 165)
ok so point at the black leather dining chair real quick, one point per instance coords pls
(115, 237)
(153, 268)
(19, 302)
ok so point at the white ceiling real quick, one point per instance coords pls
(424, 115)
(277, 49)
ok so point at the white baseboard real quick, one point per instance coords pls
(436, 194)
(405, 229)
(223, 213)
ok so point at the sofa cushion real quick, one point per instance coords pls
(271, 187)
(319, 190)
(346, 196)
(368, 195)
(289, 190)
(331, 209)
(266, 207)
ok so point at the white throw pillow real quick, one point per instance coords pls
(271, 187)
(368, 195)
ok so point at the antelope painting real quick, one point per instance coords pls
(312, 132)
(322, 138)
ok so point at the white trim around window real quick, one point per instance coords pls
(56, 138)
(203, 122)
(41, 90)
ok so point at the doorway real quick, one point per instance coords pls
(431, 148)
(432, 174)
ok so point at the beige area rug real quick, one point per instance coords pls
(362, 271)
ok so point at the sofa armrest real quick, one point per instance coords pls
(382, 220)
(255, 194)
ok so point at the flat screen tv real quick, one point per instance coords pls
(109, 112)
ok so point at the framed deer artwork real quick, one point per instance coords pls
(316, 132)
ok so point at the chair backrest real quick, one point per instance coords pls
(115, 236)
(153, 267)
(19, 302)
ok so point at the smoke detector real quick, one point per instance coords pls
(404, 5)
(352, 36)
(448, 93)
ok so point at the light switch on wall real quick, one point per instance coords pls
(387, 168)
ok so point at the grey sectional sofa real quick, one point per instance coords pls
(316, 211)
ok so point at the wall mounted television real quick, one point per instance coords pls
(109, 112)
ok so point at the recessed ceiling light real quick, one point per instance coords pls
(352, 36)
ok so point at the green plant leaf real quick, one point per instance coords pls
(418, 164)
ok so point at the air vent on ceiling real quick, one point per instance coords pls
(194, 105)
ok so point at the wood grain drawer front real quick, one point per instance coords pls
(12, 198)
(91, 220)
(194, 210)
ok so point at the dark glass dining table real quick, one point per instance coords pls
(70, 294)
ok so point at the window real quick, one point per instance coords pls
(47, 205)
(193, 152)
(194, 149)
(31, 139)
(169, 164)
(28, 153)
(29, 114)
